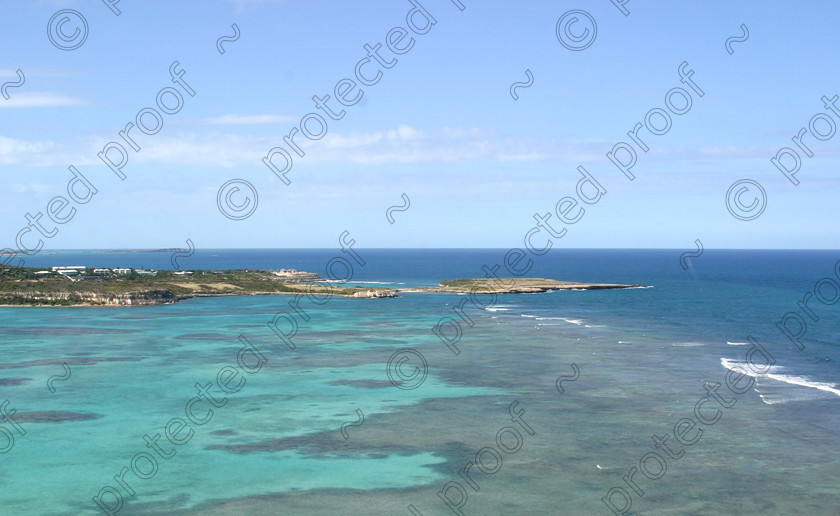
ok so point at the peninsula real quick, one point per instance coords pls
(83, 286)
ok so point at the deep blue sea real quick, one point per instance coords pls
(681, 398)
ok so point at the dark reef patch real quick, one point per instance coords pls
(54, 416)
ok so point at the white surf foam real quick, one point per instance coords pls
(378, 282)
(804, 381)
(744, 367)
(776, 373)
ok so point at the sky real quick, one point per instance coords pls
(440, 126)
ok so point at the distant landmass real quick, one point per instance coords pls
(84, 286)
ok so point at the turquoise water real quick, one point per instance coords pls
(276, 446)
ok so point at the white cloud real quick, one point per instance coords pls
(408, 145)
(39, 99)
(31, 187)
(210, 150)
(248, 119)
(22, 152)
(401, 145)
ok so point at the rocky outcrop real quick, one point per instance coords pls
(145, 297)
(376, 293)
(293, 276)
(516, 286)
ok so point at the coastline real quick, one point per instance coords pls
(111, 292)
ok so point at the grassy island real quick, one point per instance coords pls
(518, 285)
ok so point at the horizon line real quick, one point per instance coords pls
(161, 249)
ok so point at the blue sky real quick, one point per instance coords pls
(440, 125)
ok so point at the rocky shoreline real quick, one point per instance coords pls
(140, 298)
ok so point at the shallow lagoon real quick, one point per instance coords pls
(276, 446)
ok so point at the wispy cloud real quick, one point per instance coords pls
(40, 99)
(22, 152)
(243, 5)
(401, 145)
(37, 188)
(449, 145)
(248, 119)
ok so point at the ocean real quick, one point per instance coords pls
(715, 390)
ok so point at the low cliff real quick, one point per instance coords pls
(140, 298)
(375, 293)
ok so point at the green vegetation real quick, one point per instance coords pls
(19, 284)
(514, 285)
(27, 286)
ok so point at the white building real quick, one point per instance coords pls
(121, 271)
